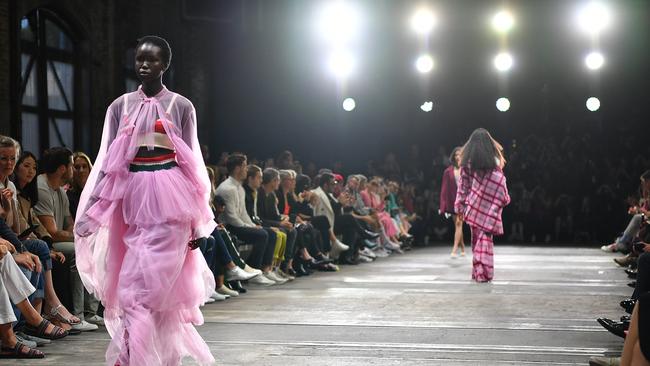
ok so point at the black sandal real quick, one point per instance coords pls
(20, 351)
(40, 331)
(56, 314)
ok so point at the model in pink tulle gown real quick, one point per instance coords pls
(145, 200)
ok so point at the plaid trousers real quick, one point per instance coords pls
(483, 255)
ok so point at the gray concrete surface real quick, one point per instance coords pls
(415, 309)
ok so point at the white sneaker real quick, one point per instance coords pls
(337, 249)
(392, 246)
(209, 300)
(368, 253)
(381, 252)
(218, 297)
(261, 280)
(274, 277)
(95, 319)
(238, 274)
(364, 259)
(610, 248)
(340, 246)
(250, 269)
(226, 291)
(84, 326)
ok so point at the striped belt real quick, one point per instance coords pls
(152, 167)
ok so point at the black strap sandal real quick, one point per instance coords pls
(21, 351)
(56, 314)
(41, 331)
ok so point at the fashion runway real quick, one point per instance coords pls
(415, 309)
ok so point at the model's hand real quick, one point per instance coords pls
(193, 244)
(3, 251)
(84, 227)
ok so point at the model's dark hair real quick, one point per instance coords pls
(233, 161)
(325, 178)
(481, 151)
(30, 190)
(452, 161)
(54, 157)
(160, 42)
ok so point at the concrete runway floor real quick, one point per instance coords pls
(420, 308)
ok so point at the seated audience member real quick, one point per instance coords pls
(251, 189)
(267, 210)
(53, 211)
(236, 219)
(323, 207)
(15, 290)
(297, 207)
(82, 167)
(31, 231)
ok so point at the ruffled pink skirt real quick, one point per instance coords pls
(152, 284)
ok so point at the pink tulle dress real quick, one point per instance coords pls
(136, 215)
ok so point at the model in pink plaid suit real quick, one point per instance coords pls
(482, 194)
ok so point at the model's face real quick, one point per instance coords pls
(149, 64)
(26, 171)
(7, 161)
(457, 158)
(81, 170)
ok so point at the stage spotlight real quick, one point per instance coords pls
(503, 21)
(349, 104)
(594, 17)
(339, 22)
(593, 104)
(424, 64)
(503, 104)
(594, 60)
(503, 61)
(423, 21)
(427, 106)
(341, 64)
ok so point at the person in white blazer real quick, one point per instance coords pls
(321, 206)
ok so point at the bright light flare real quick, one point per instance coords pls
(503, 104)
(423, 21)
(424, 64)
(503, 21)
(503, 61)
(339, 22)
(349, 104)
(594, 60)
(594, 17)
(593, 104)
(427, 106)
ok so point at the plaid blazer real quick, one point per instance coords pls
(481, 198)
